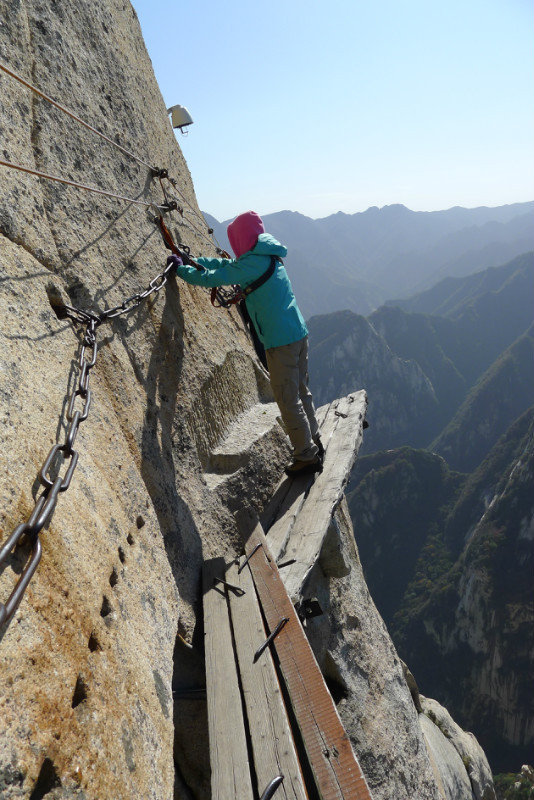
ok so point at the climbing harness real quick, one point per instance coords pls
(218, 293)
(183, 251)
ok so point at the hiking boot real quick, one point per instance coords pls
(304, 467)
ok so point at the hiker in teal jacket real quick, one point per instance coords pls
(279, 324)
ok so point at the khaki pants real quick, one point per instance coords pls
(288, 371)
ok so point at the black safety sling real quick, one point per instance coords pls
(258, 346)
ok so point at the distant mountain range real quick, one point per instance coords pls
(360, 261)
(446, 533)
(426, 374)
(448, 559)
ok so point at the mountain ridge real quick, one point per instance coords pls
(445, 529)
(419, 368)
(448, 559)
(380, 253)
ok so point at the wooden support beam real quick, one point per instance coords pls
(337, 773)
(272, 740)
(230, 768)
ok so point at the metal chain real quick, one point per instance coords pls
(52, 486)
(64, 454)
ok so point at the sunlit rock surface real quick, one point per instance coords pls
(102, 665)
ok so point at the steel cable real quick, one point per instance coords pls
(154, 170)
(77, 185)
(75, 117)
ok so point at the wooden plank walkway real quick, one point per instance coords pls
(251, 739)
(272, 741)
(245, 702)
(230, 768)
(336, 770)
(297, 519)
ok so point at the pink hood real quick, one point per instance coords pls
(243, 232)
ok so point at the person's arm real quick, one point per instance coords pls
(216, 272)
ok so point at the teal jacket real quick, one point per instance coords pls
(272, 308)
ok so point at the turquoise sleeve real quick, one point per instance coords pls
(214, 263)
(225, 275)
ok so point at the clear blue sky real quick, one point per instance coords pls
(339, 105)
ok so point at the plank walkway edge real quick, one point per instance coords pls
(230, 769)
(335, 767)
(301, 521)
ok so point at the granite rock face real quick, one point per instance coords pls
(88, 671)
(450, 747)
(102, 665)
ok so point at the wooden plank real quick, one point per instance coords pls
(336, 770)
(280, 514)
(311, 524)
(272, 741)
(273, 509)
(230, 769)
(294, 497)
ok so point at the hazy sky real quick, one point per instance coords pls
(339, 105)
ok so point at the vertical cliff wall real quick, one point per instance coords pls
(87, 663)
(102, 671)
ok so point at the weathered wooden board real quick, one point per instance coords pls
(274, 509)
(299, 531)
(272, 741)
(334, 765)
(230, 768)
(280, 514)
(295, 493)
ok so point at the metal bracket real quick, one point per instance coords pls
(286, 563)
(247, 559)
(272, 787)
(171, 205)
(308, 608)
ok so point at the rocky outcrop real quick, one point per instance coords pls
(102, 666)
(449, 747)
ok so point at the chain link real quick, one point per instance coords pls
(52, 486)
(64, 455)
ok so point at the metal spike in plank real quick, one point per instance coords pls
(336, 770)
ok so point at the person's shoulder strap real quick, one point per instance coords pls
(264, 277)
